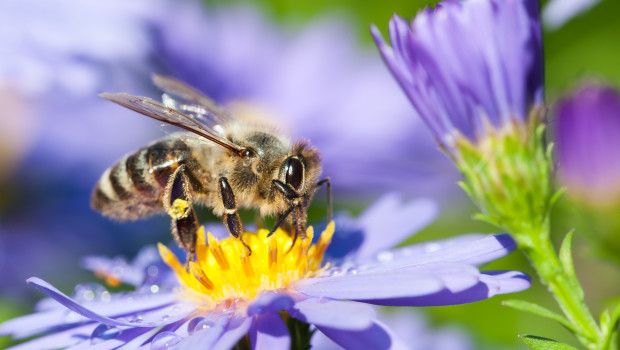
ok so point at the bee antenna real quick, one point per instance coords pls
(280, 220)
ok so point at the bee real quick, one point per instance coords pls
(219, 162)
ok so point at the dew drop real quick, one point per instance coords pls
(88, 292)
(154, 288)
(105, 296)
(352, 271)
(432, 247)
(102, 333)
(152, 271)
(385, 256)
(198, 324)
(165, 317)
(336, 272)
(165, 340)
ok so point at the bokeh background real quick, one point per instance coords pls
(309, 67)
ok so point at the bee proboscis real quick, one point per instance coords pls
(220, 162)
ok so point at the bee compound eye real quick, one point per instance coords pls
(294, 172)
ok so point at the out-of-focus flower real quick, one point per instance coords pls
(58, 57)
(558, 12)
(587, 132)
(55, 58)
(225, 294)
(316, 84)
(464, 81)
(473, 71)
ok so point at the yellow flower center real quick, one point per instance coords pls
(223, 270)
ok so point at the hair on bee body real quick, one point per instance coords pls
(219, 162)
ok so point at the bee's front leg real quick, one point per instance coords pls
(178, 204)
(231, 217)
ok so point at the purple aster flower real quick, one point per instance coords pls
(587, 128)
(225, 294)
(468, 67)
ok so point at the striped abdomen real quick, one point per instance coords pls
(134, 187)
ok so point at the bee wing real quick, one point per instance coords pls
(186, 99)
(158, 111)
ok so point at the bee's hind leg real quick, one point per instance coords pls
(178, 204)
(231, 217)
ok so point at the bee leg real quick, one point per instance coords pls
(326, 181)
(298, 208)
(280, 221)
(231, 217)
(178, 204)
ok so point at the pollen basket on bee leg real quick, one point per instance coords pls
(179, 208)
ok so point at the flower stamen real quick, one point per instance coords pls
(222, 271)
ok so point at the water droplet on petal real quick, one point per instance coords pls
(335, 272)
(432, 247)
(165, 340)
(385, 256)
(103, 332)
(105, 296)
(154, 288)
(152, 271)
(352, 271)
(199, 323)
(165, 317)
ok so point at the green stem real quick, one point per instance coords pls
(562, 285)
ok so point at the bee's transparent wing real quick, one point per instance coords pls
(184, 98)
(158, 111)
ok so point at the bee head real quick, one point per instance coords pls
(301, 169)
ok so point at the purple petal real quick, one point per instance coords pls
(377, 336)
(404, 220)
(40, 322)
(270, 302)
(588, 137)
(59, 339)
(334, 314)
(467, 61)
(473, 249)
(490, 284)
(151, 319)
(503, 282)
(269, 331)
(114, 341)
(204, 332)
(386, 284)
(236, 329)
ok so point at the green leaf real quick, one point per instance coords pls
(487, 219)
(540, 343)
(566, 259)
(538, 310)
(557, 195)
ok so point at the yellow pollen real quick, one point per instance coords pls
(179, 208)
(224, 271)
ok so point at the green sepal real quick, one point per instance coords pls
(540, 343)
(609, 324)
(556, 195)
(486, 218)
(566, 259)
(538, 310)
